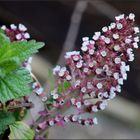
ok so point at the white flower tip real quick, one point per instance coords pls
(61, 73)
(103, 53)
(55, 96)
(105, 29)
(39, 91)
(79, 64)
(69, 54)
(116, 75)
(136, 30)
(98, 33)
(127, 68)
(30, 60)
(117, 60)
(94, 108)
(84, 48)
(95, 37)
(95, 121)
(13, 26)
(105, 94)
(92, 42)
(56, 69)
(99, 85)
(91, 51)
(22, 27)
(119, 17)
(112, 25)
(74, 118)
(131, 16)
(135, 45)
(118, 88)
(119, 26)
(120, 81)
(85, 38)
(44, 98)
(83, 89)
(136, 39)
(128, 41)
(18, 36)
(116, 47)
(27, 35)
(78, 104)
(112, 95)
(98, 71)
(3, 27)
(103, 105)
(116, 36)
(107, 40)
(68, 77)
(51, 123)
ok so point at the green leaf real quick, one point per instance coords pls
(66, 85)
(6, 118)
(1, 30)
(20, 130)
(51, 79)
(24, 49)
(4, 41)
(13, 54)
(14, 82)
(8, 66)
(59, 88)
(50, 100)
(15, 85)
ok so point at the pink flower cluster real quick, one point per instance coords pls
(92, 76)
(95, 74)
(58, 120)
(16, 32)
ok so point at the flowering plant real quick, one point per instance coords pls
(91, 78)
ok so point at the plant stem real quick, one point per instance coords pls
(17, 106)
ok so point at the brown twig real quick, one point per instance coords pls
(19, 106)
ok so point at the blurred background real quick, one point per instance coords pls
(61, 24)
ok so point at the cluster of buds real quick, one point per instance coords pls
(37, 88)
(59, 120)
(62, 73)
(97, 73)
(16, 32)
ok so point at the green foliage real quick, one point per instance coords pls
(51, 79)
(20, 130)
(24, 49)
(15, 85)
(60, 89)
(13, 54)
(13, 79)
(63, 87)
(6, 118)
(66, 85)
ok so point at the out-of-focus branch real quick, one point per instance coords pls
(73, 29)
(20, 105)
(105, 8)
